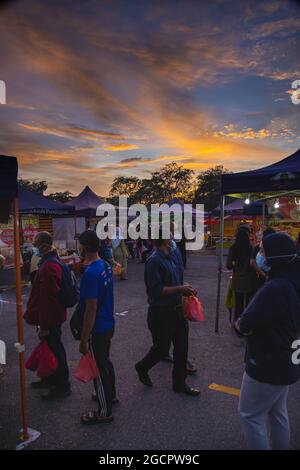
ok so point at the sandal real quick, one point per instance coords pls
(92, 417)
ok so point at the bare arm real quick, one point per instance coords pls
(184, 290)
(88, 323)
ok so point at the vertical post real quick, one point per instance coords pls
(24, 410)
(221, 252)
(263, 215)
(75, 229)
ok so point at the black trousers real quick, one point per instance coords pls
(167, 324)
(60, 378)
(105, 384)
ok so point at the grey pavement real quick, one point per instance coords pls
(145, 419)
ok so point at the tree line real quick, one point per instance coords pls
(168, 182)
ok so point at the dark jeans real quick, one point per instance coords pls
(241, 301)
(105, 385)
(167, 324)
(60, 378)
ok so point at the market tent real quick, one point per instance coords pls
(282, 176)
(86, 202)
(34, 203)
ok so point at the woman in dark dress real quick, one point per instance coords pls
(244, 277)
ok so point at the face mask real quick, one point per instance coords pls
(81, 252)
(261, 263)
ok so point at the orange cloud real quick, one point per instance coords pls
(121, 147)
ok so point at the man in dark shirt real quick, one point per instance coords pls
(165, 317)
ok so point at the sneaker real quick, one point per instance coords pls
(143, 376)
(187, 390)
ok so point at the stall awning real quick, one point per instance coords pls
(35, 203)
(280, 176)
(8, 185)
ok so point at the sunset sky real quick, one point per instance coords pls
(102, 88)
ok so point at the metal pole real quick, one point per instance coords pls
(222, 204)
(21, 345)
(75, 229)
(263, 215)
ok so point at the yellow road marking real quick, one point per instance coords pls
(224, 389)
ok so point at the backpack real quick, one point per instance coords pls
(69, 293)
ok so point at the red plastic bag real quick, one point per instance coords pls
(86, 369)
(193, 309)
(42, 360)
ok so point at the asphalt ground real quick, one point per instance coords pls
(145, 419)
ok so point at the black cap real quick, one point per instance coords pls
(89, 240)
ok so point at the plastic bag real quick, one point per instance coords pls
(86, 369)
(193, 309)
(117, 270)
(42, 360)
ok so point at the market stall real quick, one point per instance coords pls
(86, 204)
(9, 201)
(280, 179)
(36, 213)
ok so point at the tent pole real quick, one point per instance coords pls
(75, 228)
(221, 251)
(21, 348)
(263, 215)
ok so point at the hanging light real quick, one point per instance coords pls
(247, 200)
(276, 204)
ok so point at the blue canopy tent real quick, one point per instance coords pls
(31, 202)
(282, 176)
(86, 202)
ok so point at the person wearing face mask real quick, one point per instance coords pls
(44, 309)
(34, 263)
(165, 316)
(177, 259)
(258, 260)
(271, 322)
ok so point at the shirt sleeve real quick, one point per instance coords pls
(154, 278)
(261, 311)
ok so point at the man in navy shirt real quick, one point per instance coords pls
(165, 317)
(97, 308)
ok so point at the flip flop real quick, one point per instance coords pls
(92, 417)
